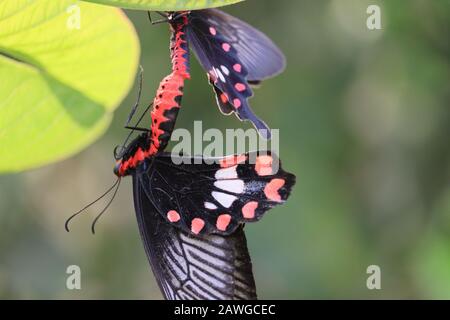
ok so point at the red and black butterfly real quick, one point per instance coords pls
(235, 56)
(191, 218)
(191, 213)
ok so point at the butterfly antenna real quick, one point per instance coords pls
(66, 225)
(138, 100)
(106, 207)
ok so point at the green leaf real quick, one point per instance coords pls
(166, 5)
(59, 83)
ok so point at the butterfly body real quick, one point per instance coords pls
(167, 101)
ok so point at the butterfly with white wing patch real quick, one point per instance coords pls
(191, 219)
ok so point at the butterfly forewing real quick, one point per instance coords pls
(260, 56)
(211, 267)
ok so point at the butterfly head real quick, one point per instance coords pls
(131, 156)
(175, 17)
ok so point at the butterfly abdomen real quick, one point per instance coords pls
(166, 105)
(167, 102)
(179, 48)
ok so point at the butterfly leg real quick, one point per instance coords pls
(165, 20)
(137, 129)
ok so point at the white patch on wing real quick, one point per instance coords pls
(235, 186)
(224, 199)
(220, 75)
(210, 206)
(225, 70)
(226, 174)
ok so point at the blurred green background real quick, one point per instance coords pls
(365, 125)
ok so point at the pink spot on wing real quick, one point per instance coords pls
(173, 216)
(212, 75)
(213, 31)
(232, 161)
(226, 47)
(237, 103)
(272, 189)
(264, 166)
(248, 211)
(197, 225)
(223, 222)
(237, 67)
(240, 87)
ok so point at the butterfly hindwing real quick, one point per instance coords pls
(193, 268)
(215, 198)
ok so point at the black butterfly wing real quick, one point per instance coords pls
(226, 59)
(204, 197)
(256, 51)
(193, 268)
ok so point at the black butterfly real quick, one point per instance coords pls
(191, 218)
(235, 56)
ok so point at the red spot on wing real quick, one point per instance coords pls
(248, 211)
(223, 221)
(224, 98)
(237, 67)
(237, 103)
(264, 166)
(197, 225)
(232, 161)
(213, 31)
(173, 216)
(272, 189)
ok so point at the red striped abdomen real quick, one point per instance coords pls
(166, 106)
(179, 48)
(168, 98)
